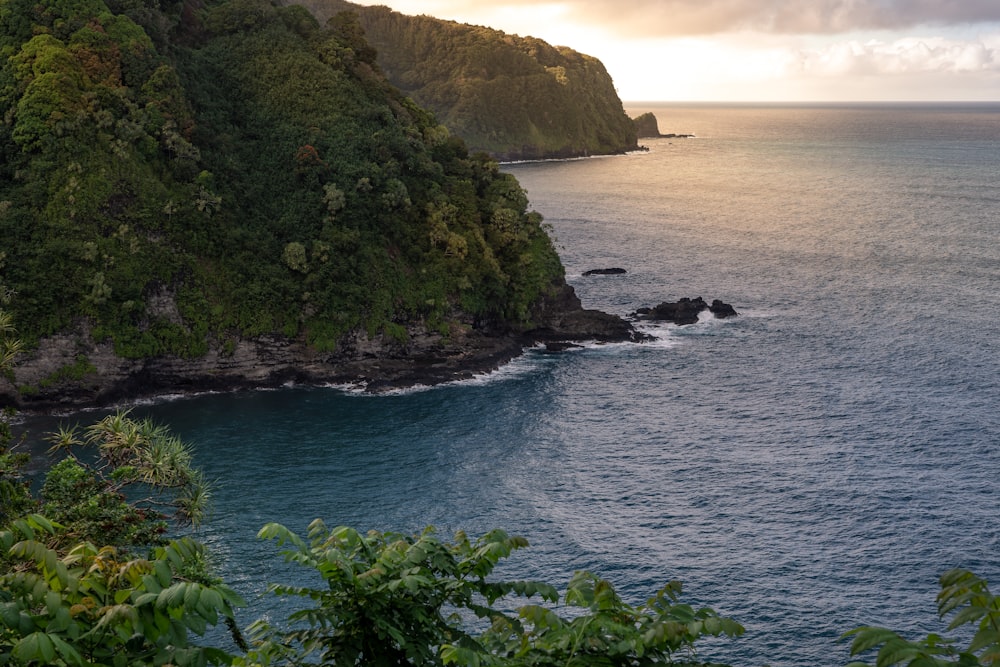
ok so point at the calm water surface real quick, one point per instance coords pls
(808, 467)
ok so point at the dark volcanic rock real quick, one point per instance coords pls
(684, 310)
(378, 363)
(722, 310)
(614, 271)
(561, 317)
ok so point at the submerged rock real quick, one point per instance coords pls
(614, 271)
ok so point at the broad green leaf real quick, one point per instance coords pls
(36, 647)
(164, 575)
(987, 635)
(869, 637)
(896, 651)
(60, 621)
(173, 596)
(192, 593)
(67, 651)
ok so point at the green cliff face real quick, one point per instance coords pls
(514, 97)
(184, 175)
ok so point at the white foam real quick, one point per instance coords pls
(572, 159)
(662, 333)
(526, 364)
(346, 387)
(521, 366)
(165, 398)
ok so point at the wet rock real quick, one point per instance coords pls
(722, 310)
(684, 311)
(614, 271)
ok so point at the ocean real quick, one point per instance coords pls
(809, 466)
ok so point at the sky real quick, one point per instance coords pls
(762, 50)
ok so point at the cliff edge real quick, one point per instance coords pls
(73, 370)
(513, 97)
(227, 193)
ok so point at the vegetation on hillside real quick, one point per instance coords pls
(178, 175)
(513, 97)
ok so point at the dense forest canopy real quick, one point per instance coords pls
(514, 97)
(179, 175)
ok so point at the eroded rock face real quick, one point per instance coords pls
(71, 370)
(561, 317)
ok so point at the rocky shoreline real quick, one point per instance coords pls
(99, 378)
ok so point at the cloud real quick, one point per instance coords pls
(645, 18)
(909, 55)
(685, 17)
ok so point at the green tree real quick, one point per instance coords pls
(15, 496)
(602, 630)
(392, 599)
(389, 599)
(967, 599)
(141, 476)
(94, 606)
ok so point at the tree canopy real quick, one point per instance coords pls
(178, 176)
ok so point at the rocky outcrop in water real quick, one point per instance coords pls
(684, 311)
(614, 271)
(647, 127)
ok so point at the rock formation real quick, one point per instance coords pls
(684, 311)
(647, 127)
(376, 363)
(614, 271)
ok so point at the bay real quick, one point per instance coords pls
(809, 466)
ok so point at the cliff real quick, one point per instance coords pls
(73, 369)
(646, 126)
(516, 98)
(217, 194)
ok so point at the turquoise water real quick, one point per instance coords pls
(807, 467)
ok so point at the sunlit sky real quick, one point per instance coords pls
(763, 50)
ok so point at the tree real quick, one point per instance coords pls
(392, 599)
(97, 606)
(10, 344)
(101, 584)
(964, 596)
(603, 630)
(389, 599)
(15, 496)
(142, 476)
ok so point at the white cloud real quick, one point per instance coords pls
(647, 18)
(903, 55)
(763, 49)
